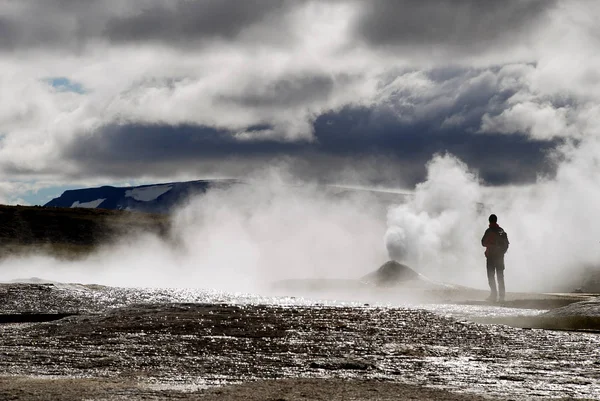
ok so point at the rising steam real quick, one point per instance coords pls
(240, 238)
(550, 225)
(244, 237)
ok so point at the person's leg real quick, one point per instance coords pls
(491, 273)
(500, 273)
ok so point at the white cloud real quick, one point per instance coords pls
(542, 121)
(283, 68)
(10, 192)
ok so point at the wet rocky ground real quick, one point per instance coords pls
(103, 343)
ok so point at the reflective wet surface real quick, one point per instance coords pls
(186, 339)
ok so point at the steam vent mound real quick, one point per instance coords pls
(391, 273)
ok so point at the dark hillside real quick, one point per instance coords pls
(69, 231)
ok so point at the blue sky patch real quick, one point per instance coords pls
(64, 84)
(44, 195)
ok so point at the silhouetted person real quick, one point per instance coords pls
(496, 243)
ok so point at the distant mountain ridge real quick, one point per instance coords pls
(163, 197)
(154, 198)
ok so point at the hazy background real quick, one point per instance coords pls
(270, 228)
(477, 107)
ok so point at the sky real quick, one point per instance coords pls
(472, 106)
(359, 92)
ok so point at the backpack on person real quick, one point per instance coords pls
(501, 240)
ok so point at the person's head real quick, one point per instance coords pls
(493, 218)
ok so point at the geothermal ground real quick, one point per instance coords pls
(72, 342)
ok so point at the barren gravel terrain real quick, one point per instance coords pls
(115, 343)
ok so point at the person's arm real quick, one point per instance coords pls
(484, 239)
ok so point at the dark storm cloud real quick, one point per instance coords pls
(7, 32)
(183, 21)
(459, 24)
(135, 150)
(73, 24)
(499, 158)
(343, 139)
(147, 143)
(51, 23)
(455, 23)
(405, 131)
(16, 33)
(285, 92)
